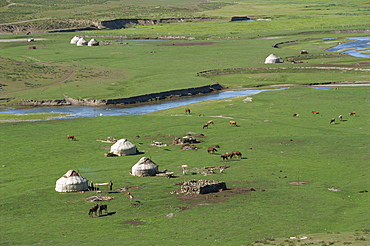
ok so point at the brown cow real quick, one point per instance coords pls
(71, 137)
(315, 112)
(225, 156)
(211, 150)
(187, 111)
(237, 153)
(233, 123)
(352, 114)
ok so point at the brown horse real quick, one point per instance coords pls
(352, 114)
(210, 122)
(211, 150)
(233, 123)
(236, 153)
(205, 126)
(94, 210)
(226, 156)
(187, 111)
(101, 208)
(71, 137)
(315, 112)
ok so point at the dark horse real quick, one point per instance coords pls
(94, 210)
(187, 111)
(101, 208)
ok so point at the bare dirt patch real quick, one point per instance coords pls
(134, 222)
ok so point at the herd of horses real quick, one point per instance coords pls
(98, 209)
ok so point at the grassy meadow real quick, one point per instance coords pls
(261, 205)
(277, 149)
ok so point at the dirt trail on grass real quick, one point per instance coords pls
(70, 73)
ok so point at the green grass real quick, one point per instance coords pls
(274, 145)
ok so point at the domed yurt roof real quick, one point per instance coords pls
(93, 42)
(272, 59)
(81, 42)
(145, 167)
(123, 147)
(75, 39)
(72, 181)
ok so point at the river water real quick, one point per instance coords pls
(356, 48)
(85, 111)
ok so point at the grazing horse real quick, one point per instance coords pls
(340, 117)
(332, 121)
(226, 156)
(352, 114)
(187, 111)
(296, 115)
(71, 137)
(233, 123)
(210, 122)
(237, 153)
(211, 150)
(315, 112)
(101, 208)
(205, 126)
(94, 209)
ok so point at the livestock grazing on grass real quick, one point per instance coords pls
(236, 153)
(226, 156)
(71, 137)
(315, 112)
(352, 114)
(94, 210)
(340, 117)
(233, 123)
(211, 150)
(210, 122)
(101, 208)
(205, 126)
(130, 195)
(296, 115)
(187, 111)
(332, 121)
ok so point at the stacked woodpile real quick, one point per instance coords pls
(202, 186)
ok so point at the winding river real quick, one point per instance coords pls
(85, 111)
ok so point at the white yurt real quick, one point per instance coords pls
(272, 59)
(144, 167)
(81, 42)
(123, 147)
(72, 181)
(75, 39)
(93, 42)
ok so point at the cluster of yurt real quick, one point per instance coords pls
(80, 41)
(72, 181)
(272, 59)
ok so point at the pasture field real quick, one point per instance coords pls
(277, 149)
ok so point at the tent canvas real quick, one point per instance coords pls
(93, 42)
(123, 147)
(75, 39)
(81, 42)
(72, 181)
(144, 167)
(272, 59)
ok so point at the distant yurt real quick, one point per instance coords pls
(93, 42)
(123, 147)
(81, 42)
(75, 39)
(272, 59)
(144, 167)
(72, 181)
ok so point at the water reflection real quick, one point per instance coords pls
(84, 111)
(355, 48)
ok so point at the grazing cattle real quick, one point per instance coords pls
(340, 117)
(233, 123)
(101, 208)
(211, 150)
(315, 112)
(237, 153)
(210, 122)
(187, 111)
(94, 210)
(332, 121)
(205, 126)
(296, 115)
(352, 114)
(200, 114)
(71, 137)
(226, 156)
(131, 196)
